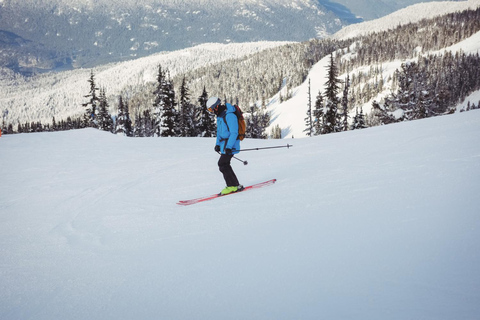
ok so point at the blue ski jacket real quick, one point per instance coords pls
(227, 130)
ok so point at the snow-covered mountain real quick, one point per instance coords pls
(373, 9)
(372, 224)
(61, 94)
(407, 15)
(52, 34)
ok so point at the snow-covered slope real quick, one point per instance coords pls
(411, 14)
(381, 223)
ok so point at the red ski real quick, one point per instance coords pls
(253, 186)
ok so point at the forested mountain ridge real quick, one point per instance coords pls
(373, 63)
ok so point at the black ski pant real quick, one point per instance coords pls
(225, 168)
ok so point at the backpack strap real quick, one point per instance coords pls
(225, 120)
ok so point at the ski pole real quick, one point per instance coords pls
(244, 162)
(287, 146)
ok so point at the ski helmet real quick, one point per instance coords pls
(212, 103)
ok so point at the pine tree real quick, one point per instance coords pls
(257, 123)
(70, 124)
(148, 124)
(383, 113)
(123, 124)
(165, 115)
(159, 101)
(144, 124)
(138, 131)
(265, 121)
(90, 115)
(188, 117)
(358, 120)
(54, 124)
(361, 120)
(105, 121)
(169, 115)
(319, 115)
(308, 119)
(206, 125)
(332, 86)
(405, 98)
(4, 125)
(345, 104)
(276, 132)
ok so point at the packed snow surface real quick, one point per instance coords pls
(381, 223)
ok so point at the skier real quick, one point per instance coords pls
(227, 143)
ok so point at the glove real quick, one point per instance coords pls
(228, 151)
(217, 148)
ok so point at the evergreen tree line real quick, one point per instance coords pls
(432, 86)
(29, 127)
(167, 117)
(407, 41)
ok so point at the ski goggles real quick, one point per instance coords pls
(213, 109)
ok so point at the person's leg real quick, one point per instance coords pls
(225, 168)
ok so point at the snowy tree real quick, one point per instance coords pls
(319, 115)
(331, 95)
(265, 121)
(407, 97)
(358, 120)
(89, 117)
(138, 126)
(123, 123)
(148, 124)
(144, 124)
(169, 119)
(164, 112)
(4, 116)
(345, 104)
(54, 124)
(104, 119)
(206, 123)
(385, 114)
(308, 119)
(276, 132)
(257, 122)
(159, 101)
(187, 113)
